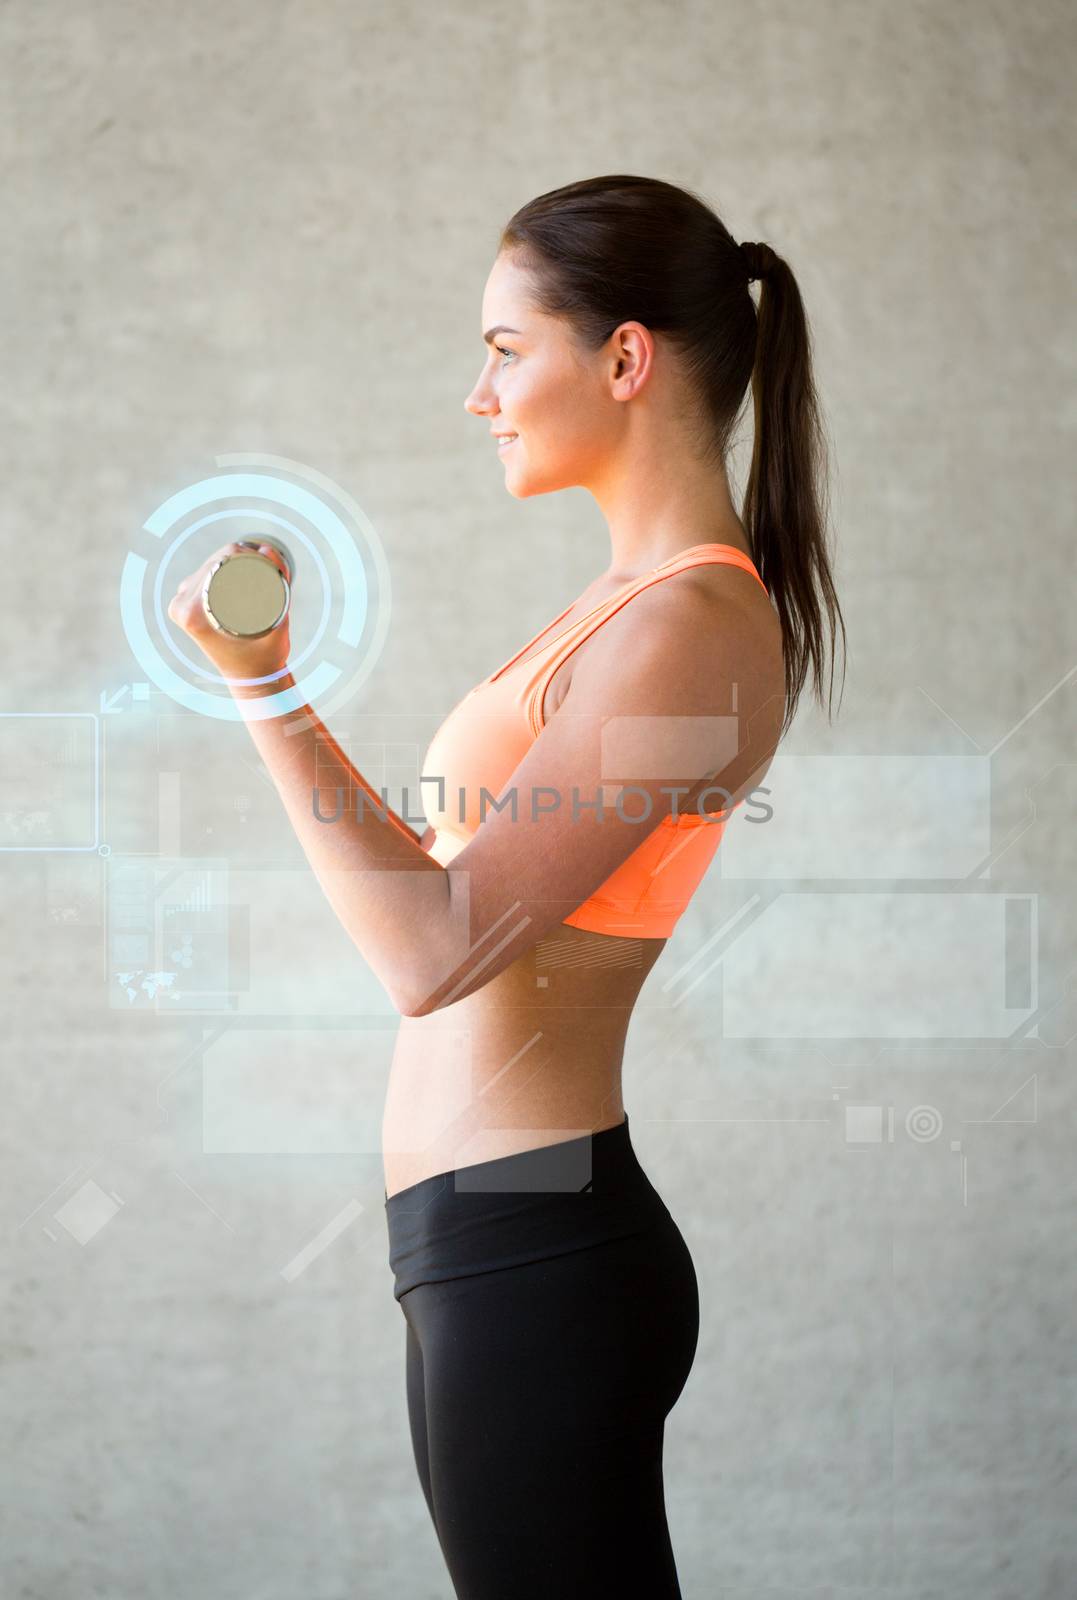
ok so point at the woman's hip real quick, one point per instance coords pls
(593, 1341)
(521, 1209)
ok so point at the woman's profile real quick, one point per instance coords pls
(575, 797)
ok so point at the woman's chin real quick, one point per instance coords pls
(522, 484)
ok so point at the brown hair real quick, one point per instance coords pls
(616, 248)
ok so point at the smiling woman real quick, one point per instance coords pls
(550, 1301)
(525, 1236)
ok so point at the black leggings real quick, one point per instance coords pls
(538, 1388)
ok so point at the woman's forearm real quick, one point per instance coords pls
(392, 899)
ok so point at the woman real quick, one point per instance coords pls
(550, 1301)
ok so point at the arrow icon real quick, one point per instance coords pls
(110, 703)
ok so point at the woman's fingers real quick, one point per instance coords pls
(274, 556)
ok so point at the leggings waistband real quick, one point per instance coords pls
(518, 1208)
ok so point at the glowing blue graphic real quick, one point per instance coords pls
(292, 497)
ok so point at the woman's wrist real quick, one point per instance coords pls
(259, 690)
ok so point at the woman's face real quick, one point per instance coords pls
(537, 384)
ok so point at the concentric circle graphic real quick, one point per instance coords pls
(923, 1123)
(338, 662)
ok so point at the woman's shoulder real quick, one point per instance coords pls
(712, 604)
(709, 623)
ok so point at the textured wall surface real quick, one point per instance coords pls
(262, 232)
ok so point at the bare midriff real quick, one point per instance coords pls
(532, 1058)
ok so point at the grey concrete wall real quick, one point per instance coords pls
(262, 232)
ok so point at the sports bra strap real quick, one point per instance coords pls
(697, 555)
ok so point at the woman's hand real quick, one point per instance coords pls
(237, 660)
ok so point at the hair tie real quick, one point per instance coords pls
(758, 259)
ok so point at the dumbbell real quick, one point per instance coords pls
(246, 594)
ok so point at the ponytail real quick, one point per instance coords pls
(784, 503)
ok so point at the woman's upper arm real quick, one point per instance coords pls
(660, 701)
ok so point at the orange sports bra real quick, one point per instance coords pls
(487, 735)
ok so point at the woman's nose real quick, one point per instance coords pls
(481, 399)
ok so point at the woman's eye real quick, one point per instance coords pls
(500, 348)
